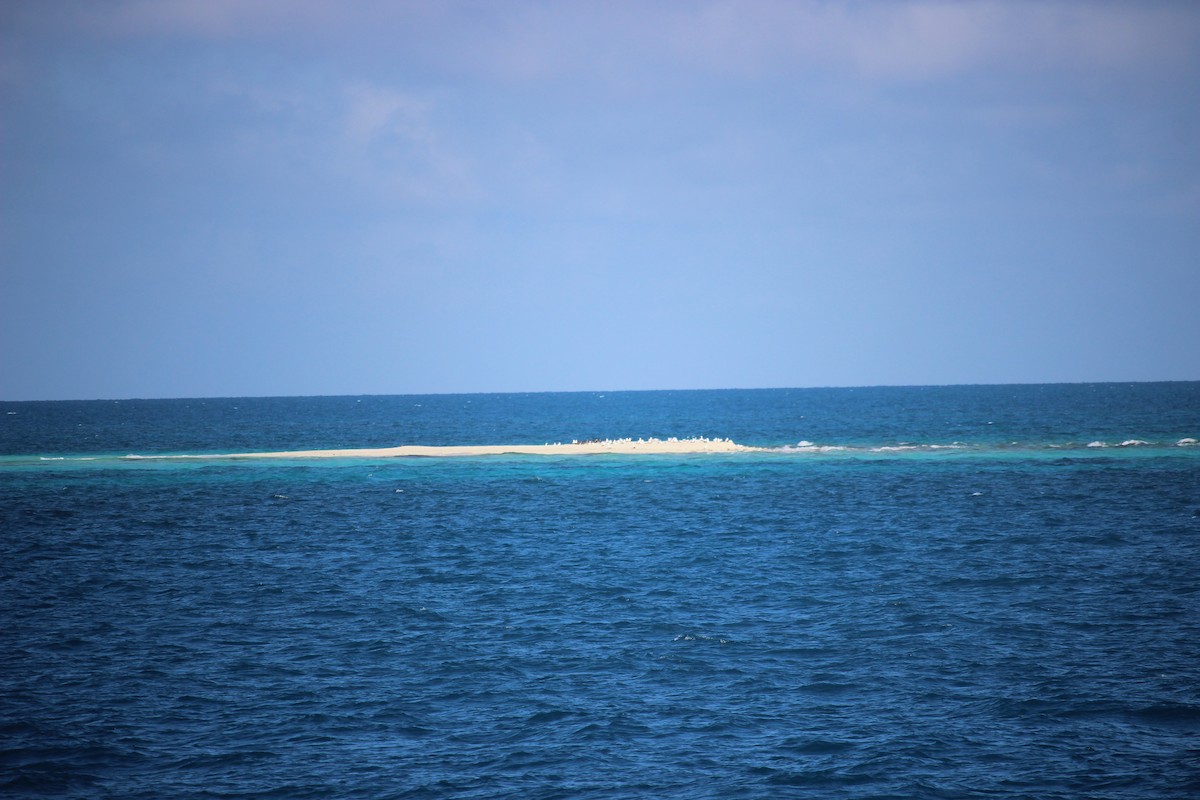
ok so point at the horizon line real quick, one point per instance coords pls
(817, 387)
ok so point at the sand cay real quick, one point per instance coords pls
(670, 446)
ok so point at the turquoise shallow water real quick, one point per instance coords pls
(1015, 616)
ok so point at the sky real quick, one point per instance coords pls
(205, 198)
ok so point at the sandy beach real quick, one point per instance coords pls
(670, 446)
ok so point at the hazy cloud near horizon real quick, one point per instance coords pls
(523, 40)
(226, 198)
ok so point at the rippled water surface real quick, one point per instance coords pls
(1016, 618)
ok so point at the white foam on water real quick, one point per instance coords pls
(700, 637)
(805, 446)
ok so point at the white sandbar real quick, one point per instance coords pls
(670, 446)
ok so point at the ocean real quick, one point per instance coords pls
(914, 592)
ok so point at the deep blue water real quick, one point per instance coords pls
(1011, 613)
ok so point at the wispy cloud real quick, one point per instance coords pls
(377, 113)
(390, 139)
(880, 40)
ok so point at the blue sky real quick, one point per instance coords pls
(288, 197)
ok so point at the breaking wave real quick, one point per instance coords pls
(989, 448)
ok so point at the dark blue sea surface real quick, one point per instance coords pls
(927, 592)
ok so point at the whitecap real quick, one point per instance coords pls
(806, 446)
(803, 446)
(1097, 444)
(1132, 443)
(700, 637)
(1187, 442)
